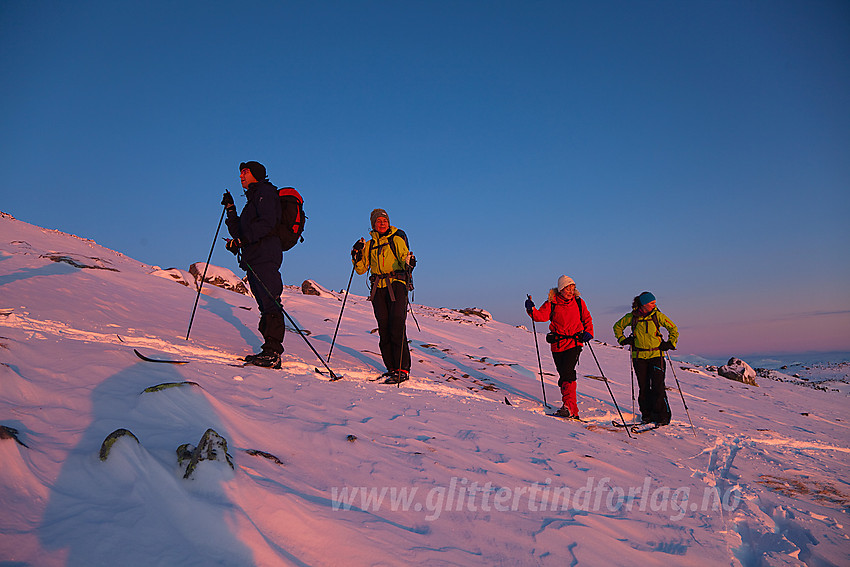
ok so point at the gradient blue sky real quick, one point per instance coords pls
(700, 150)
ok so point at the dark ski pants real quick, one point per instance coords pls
(267, 286)
(392, 318)
(566, 362)
(652, 397)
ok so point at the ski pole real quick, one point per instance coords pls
(680, 393)
(632, 374)
(539, 364)
(412, 314)
(344, 299)
(404, 334)
(410, 302)
(203, 277)
(403, 343)
(623, 421)
(295, 325)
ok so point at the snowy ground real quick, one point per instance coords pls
(441, 471)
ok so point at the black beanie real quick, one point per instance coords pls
(257, 169)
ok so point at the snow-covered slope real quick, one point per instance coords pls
(441, 471)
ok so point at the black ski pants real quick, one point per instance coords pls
(267, 287)
(566, 362)
(392, 318)
(652, 397)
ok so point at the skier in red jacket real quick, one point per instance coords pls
(570, 326)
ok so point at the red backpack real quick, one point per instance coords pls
(292, 218)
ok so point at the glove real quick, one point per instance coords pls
(667, 345)
(630, 340)
(529, 305)
(227, 201)
(233, 245)
(584, 337)
(357, 251)
(411, 261)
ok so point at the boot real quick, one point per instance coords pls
(266, 359)
(398, 377)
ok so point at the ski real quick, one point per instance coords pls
(148, 359)
(600, 378)
(333, 376)
(566, 418)
(382, 377)
(643, 427)
(636, 427)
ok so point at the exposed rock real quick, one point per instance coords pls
(10, 433)
(213, 447)
(166, 385)
(180, 276)
(110, 440)
(263, 454)
(738, 370)
(219, 277)
(80, 261)
(478, 312)
(184, 454)
(310, 287)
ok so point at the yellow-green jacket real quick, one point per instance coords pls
(646, 329)
(378, 257)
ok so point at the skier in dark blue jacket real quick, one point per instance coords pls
(257, 245)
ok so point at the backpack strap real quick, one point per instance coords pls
(561, 337)
(403, 275)
(654, 318)
(406, 273)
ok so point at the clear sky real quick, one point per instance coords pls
(700, 150)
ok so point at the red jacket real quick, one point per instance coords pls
(564, 318)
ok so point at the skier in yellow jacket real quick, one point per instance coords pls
(648, 346)
(387, 256)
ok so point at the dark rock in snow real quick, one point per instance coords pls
(11, 433)
(219, 277)
(180, 276)
(184, 454)
(310, 287)
(263, 454)
(213, 447)
(478, 312)
(738, 370)
(80, 261)
(167, 385)
(110, 440)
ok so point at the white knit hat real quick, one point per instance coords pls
(564, 281)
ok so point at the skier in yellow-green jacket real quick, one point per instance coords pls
(387, 256)
(647, 347)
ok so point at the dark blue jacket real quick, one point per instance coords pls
(256, 226)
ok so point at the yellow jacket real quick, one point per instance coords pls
(646, 329)
(379, 258)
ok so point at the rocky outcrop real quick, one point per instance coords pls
(219, 277)
(110, 440)
(180, 276)
(738, 370)
(80, 261)
(212, 447)
(310, 287)
(11, 433)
